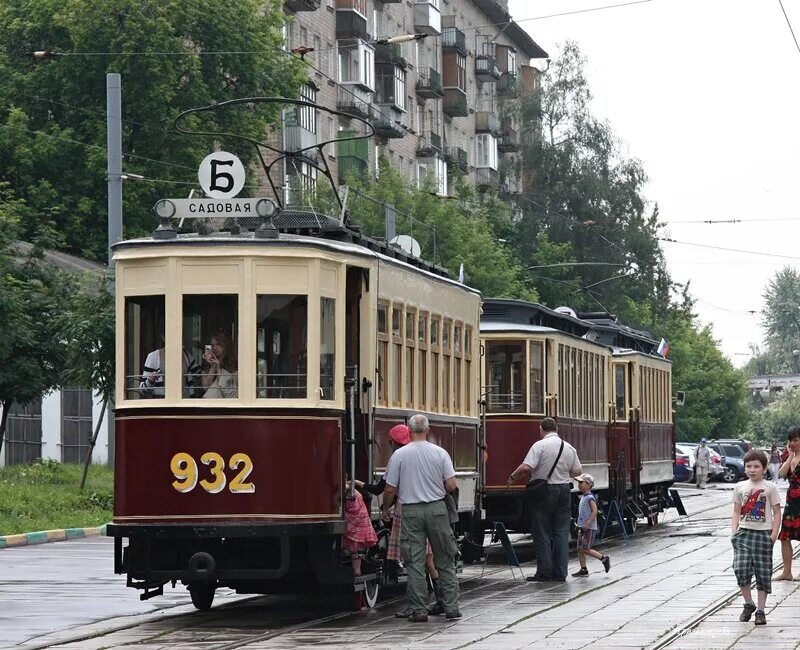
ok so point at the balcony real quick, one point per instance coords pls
(390, 53)
(297, 138)
(387, 121)
(509, 141)
(354, 100)
(350, 166)
(487, 178)
(507, 85)
(454, 39)
(353, 156)
(427, 18)
(486, 69)
(302, 5)
(457, 159)
(455, 102)
(430, 144)
(486, 122)
(351, 24)
(429, 85)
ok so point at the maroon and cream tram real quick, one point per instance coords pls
(332, 340)
(604, 384)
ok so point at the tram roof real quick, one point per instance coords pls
(373, 250)
(600, 327)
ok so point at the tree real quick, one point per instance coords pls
(87, 327)
(781, 322)
(32, 295)
(583, 195)
(52, 113)
(772, 423)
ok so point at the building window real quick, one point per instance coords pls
(307, 115)
(485, 150)
(357, 64)
(391, 86)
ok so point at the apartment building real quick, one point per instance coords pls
(444, 104)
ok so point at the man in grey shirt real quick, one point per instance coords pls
(420, 475)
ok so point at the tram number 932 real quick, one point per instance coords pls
(187, 473)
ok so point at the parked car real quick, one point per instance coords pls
(744, 444)
(734, 465)
(717, 468)
(681, 472)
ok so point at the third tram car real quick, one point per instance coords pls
(604, 384)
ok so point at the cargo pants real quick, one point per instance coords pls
(428, 522)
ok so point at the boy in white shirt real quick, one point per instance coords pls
(754, 529)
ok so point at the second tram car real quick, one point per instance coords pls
(604, 384)
(234, 474)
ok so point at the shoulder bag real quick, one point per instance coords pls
(536, 489)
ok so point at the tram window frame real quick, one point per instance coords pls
(447, 365)
(327, 381)
(625, 389)
(273, 349)
(422, 352)
(410, 352)
(542, 382)
(396, 357)
(382, 326)
(560, 368)
(147, 340)
(468, 379)
(435, 363)
(458, 366)
(494, 397)
(207, 319)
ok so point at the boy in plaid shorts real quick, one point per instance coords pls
(754, 527)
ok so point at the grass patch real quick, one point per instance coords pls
(45, 496)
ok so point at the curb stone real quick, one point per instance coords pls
(44, 536)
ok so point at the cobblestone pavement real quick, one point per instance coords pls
(663, 579)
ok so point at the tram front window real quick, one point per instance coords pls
(145, 358)
(281, 344)
(210, 335)
(507, 381)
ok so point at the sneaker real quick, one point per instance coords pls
(405, 613)
(606, 563)
(761, 618)
(583, 572)
(418, 617)
(454, 614)
(747, 612)
(537, 578)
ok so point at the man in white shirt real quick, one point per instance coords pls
(702, 463)
(421, 474)
(554, 461)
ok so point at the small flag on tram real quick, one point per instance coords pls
(663, 348)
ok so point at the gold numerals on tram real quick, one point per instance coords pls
(187, 473)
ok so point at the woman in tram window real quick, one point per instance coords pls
(219, 376)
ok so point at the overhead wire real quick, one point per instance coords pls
(730, 250)
(789, 23)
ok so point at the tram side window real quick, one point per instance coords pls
(144, 347)
(620, 392)
(506, 380)
(210, 338)
(383, 351)
(537, 377)
(281, 345)
(327, 349)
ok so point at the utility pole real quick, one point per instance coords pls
(114, 177)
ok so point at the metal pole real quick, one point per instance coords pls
(114, 177)
(114, 132)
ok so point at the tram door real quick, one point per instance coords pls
(621, 434)
(358, 415)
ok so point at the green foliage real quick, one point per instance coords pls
(772, 423)
(53, 112)
(781, 322)
(45, 496)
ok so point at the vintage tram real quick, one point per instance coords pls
(604, 384)
(329, 339)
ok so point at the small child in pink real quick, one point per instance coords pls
(359, 533)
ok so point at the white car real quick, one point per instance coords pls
(716, 469)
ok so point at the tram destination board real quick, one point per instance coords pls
(205, 208)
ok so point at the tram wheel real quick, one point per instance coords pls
(202, 596)
(369, 597)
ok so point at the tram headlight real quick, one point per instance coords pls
(266, 208)
(164, 209)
